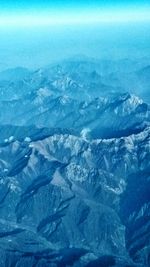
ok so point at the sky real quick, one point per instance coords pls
(46, 12)
(35, 33)
(42, 4)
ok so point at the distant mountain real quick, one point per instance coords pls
(81, 77)
(14, 74)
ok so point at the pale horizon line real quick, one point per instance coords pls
(48, 19)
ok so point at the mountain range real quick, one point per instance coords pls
(75, 165)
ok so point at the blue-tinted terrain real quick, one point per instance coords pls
(74, 133)
(75, 164)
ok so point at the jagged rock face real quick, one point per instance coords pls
(65, 192)
(76, 195)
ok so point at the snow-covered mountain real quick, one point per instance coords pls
(74, 170)
(115, 116)
(80, 78)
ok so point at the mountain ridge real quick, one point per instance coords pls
(74, 171)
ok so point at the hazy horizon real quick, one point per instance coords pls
(36, 33)
(35, 47)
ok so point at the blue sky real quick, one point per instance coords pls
(107, 29)
(48, 11)
(71, 5)
(21, 4)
